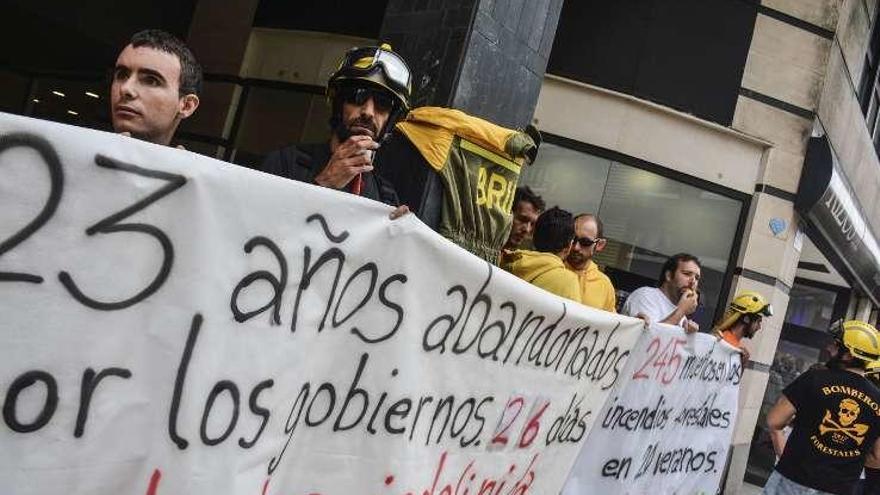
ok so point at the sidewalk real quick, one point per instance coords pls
(748, 489)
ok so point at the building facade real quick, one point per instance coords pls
(743, 132)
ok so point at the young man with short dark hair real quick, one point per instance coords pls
(543, 267)
(527, 206)
(156, 84)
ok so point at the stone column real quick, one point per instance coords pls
(863, 309)
(485, 57)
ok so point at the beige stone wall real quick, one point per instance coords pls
(290, 56)
(841, 118)
(786, 62)
(651, 132)
(822, 13)
(295, 56)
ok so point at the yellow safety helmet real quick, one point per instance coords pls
(872, 372)
(861, 340)
(745, 303)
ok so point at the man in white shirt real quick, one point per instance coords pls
(676, 298)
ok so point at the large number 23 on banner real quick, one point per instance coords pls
(108, 225)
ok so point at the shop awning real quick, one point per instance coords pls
(835, 218)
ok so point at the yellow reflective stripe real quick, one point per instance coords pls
(488, 155)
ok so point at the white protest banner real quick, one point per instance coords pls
(173, 324)
(668, 424)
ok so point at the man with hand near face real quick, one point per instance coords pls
(368, 93)
(156, 83)
(676, 298)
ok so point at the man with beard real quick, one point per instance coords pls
(743, 319)
(835, 425)
(527, 206)
(597, 291)
(676, 298)
(368, 93)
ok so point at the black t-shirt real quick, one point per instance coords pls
(837, 422)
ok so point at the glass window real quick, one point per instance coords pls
(791, 360)
(679, 53)
(869, 85)
(573, 180)
(810, 307)
(647, 218)
(211, 117)
(81, 101)
(662, 215)
(274, 118)
(13, 92)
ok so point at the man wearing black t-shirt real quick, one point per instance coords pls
(835, 417)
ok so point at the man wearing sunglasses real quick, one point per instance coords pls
(597, 291)
(368, 93)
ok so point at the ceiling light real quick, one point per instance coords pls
(58, 93)
(93, 95)
(35, 100)
(71, 112)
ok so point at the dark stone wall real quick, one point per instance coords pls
(362, 18)
(81, 36)
(486, 57)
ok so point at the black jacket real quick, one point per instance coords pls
(304, 162)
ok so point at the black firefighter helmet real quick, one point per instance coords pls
(372, 66)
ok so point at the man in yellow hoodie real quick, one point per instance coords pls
(553, 237)
(597, 291)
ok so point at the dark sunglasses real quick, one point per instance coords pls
(585, 242)
(358, 96)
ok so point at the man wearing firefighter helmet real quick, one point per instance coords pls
(835, 417)
(368, 93)
(743, 319)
